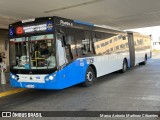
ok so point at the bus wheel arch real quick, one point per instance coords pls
(94, 68)
(145, 60)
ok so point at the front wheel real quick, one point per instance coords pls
(89, 78)
(124, 66)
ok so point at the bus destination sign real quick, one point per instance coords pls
(30, 29)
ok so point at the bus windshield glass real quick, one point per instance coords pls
(34, 52)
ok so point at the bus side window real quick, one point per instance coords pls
(69, 55)
(83, 43)
(93, 44)
(78, 43)
(87, 43)
(68, 49)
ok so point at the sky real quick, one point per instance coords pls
(154, 31)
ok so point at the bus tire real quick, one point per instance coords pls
(89, 77)
(145, 61)
(124, 66)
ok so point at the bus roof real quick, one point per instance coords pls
(70, 23)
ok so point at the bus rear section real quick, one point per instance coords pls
(140, 48)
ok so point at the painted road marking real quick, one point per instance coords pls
(10, 92)
(150, 97)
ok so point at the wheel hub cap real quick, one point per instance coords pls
(89, 76)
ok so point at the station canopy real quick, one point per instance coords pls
(123, 14)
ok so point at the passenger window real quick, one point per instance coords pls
(70, 48)
(78, 43)
(105, 42)
(88, 42)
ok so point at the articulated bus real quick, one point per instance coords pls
(56, 53)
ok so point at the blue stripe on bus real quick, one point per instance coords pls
(70, 75)
(84, 23)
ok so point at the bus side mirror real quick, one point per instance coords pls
(63, 41)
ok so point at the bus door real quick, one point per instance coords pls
(60, 51)
(131, 49)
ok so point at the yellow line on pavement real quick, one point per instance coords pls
(10, 92)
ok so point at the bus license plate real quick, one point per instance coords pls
(30, 86)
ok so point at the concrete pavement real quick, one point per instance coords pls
(136, 90)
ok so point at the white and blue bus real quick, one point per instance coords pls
(56, 53)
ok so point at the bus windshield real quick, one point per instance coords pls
(34, 52)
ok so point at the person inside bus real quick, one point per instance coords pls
(84, 49)
(35, 47)
(51, 60)
(44, 51)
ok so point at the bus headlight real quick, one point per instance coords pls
(51, 77)
(14, 77)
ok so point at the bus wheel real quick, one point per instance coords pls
(124, 66)
(89, 78)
